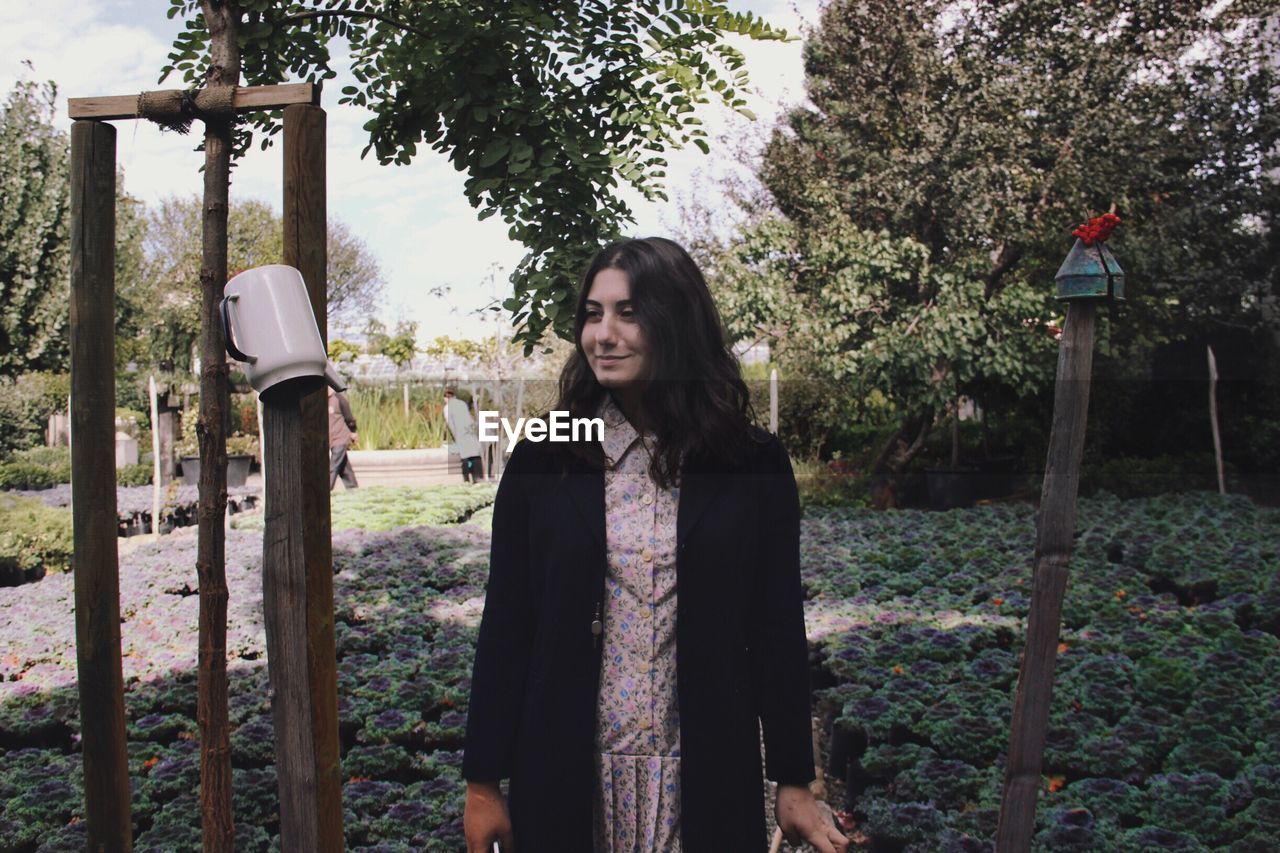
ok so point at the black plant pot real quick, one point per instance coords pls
(237, 470)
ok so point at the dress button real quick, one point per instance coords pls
(647, 500)
(643, 667)
(646, 555)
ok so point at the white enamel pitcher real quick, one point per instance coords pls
(269, 326)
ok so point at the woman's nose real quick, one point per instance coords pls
(607, 330)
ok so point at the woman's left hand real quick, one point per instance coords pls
(801, 820)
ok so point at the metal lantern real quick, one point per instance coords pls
(1090, 272)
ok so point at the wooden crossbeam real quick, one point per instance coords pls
(247, 99)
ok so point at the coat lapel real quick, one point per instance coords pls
(698, 490)
(586, 493)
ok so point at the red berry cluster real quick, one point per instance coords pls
(1098, 229)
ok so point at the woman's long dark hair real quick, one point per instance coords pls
(695, 400)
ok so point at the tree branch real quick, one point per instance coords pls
(348, 13)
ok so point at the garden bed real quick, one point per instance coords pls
(133, 504)
(1165, 730)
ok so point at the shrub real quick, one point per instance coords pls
(834, 483)
(134, 475)
(34, 538)
(1129, 477)
(36, 468)
(384, 425)
(242, 445)
(25, 406)
(24, 475)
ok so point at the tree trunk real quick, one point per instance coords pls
(222, 17)
(896, 453)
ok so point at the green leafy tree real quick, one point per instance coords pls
(545, 105)
(400, 347)
(922, 203)
(341, 350)
(34, 247)
(168, 288)
(443, 347)
(35, 240)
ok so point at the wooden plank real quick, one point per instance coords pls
(1055, 527)
(305, 248)
(284, 610)
(247, 99)
(95, 561)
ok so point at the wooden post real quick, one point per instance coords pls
(285, 591)
(1213, 420)
(300, 473)
(155, 454)
(95, 560)
(164, 434)
(1054, 530)
(773, 401)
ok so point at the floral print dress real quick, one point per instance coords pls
(637, 791)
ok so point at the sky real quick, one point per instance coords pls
(414, 219)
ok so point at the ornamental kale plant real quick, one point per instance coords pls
(1165, 702)
(1164, 731)
(407, 605)
(390, 507)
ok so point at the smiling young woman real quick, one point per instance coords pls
(611, 740)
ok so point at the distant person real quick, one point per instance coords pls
(342, 432)
(463, 429)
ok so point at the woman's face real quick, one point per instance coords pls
(612, 339)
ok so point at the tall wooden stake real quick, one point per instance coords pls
(297, 559)
(1213, 420)
(1054, 529)
(95, 560)
(773, 401)
(222, 17)
(285, 612)
(155, 454)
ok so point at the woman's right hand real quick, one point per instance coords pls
(485, 819)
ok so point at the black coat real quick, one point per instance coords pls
(742, 661)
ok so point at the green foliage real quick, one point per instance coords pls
(240, 444)
(391, 507)
(830, 484)
(25, 405)
(166, 293)
(919, 207)
(544, 106)
(134, 475)
(444, 347)
(33, 537)
(1128, 477)
(24, 475)
(34, 183)
(36, 468)
(400, 347)
(340, 350)
(384, 424)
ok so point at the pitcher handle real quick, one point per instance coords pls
(226, 331)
